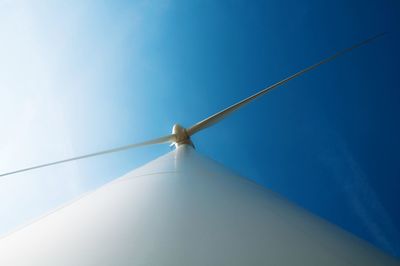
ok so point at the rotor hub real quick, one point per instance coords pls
(181, 135)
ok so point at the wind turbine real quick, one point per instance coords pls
(185, 209)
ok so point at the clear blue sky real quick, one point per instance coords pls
(81, 76)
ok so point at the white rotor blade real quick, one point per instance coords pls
(165, 139)
(222, 114)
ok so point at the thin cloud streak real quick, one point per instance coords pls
(360, 195)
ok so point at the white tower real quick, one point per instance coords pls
(184, 209)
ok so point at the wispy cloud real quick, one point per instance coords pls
(360, 194)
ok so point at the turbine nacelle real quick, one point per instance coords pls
(181, 136)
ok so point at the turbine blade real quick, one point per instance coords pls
(209, 121)
(165, 139)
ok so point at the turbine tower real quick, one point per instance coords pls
(185, 209)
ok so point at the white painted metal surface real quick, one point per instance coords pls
(184, 209)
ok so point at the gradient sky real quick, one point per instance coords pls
(82, 76)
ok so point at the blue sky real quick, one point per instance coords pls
(87, 75)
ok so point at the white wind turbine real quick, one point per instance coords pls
(185, 209)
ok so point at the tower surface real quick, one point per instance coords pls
(184, 209)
